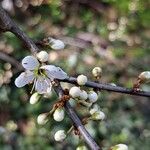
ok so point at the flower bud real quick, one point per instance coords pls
(81, 79)
(56, 44)
(81, 147)
(97, 72)
(59, 114)
(113, 84)
(120, 147)
(94, 109)
(75, 91)
(145, 76)
(60, 135)
(83, 95)
(92, 96)
(34, 98)
(98, 115)
(42, 56)
(42, 119)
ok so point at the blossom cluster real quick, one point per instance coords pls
(42, 75)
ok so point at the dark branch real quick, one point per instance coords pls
(107, 87)
(6, 24)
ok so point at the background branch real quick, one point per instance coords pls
(11, 60)
(6, 24)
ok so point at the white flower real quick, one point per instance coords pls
(42, 56)
(42, 119)
(83, 95)
(120, 147)
(145, 76)
(75, 91)
(40, 75)
(92, 96)
(98, 115)
(34, 98)
(59, 114)
(60, 135)
(82, 147)
(97, 71)
(56, 44)
(81, 79)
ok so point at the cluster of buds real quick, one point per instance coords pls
(77, 93)
(84, 97)
(43, 77)
(88, 98)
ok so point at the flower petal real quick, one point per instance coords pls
(24, 78)
(54, 72)
(43, 85)
(30, 63)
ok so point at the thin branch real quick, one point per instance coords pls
(11, 60)
(6, 24)
(101, 86)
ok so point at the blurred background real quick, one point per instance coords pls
(111, 34)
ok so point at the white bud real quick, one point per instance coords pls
(113, 84)
(81, 79)
(94, 109)
(120, 147)
(145, 76)
(42, 56)
(83, 95)
(60, 135)
(59, 114)
(98, 115)
(34, 98)
(97, 72)
(75, 91)
(82, 147)
(92, 96)
(56, 44)
(42, 119)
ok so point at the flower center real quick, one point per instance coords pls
(39, 72)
